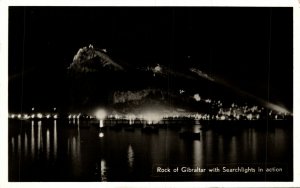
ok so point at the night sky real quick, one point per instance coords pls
(249, 48)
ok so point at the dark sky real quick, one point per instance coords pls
(250, 48)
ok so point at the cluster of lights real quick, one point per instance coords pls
(78, 116)
(231, 112)
(33, 116)
(235, 112)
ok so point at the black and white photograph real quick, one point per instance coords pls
(150, 94)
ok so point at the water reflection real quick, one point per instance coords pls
(280, 141)
(32, 140)
(198, 147)
(197, 128)
(254, 143)
(130, 153)
(198, 150)
(55, 140)
(101, 134)
(19, 145)
(25, 144)
(233, 150)
(74, 150)
(220, 147)
(13, 144)
(130, 156)
(103, 169)
(47, 144)
(101, 123)
(208, 141)
(39, 136)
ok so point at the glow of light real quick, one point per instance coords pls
(26, 116)
(48, 116)
(208, 101)
(55, 116)
(223, 118)
(101, 134)
(249, 116)
(152, 117)
(157, 68)
(197, 97)
(74, 116)
(13, 116)
(19, 116)
(130, 121)
(39, 115)
(32, 108)
(277, 108)
(70, 116)
(257, 116)
(54, 108)
(100, 114)
(101, 123)
(32, 116)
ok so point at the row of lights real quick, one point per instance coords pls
(32, 116)
(77, 116)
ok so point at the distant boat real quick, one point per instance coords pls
(189, 135)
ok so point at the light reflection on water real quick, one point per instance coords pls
(39, 136)
(74, 146)
(47, 144)
(130, 156)
(32, 140)
(19, 145)
(254, 143)
(233, 149)
(103, 169)
(198, 149)
(13, 144)
(26, 145)
(71, 149)
(55, 140)
(221, 148)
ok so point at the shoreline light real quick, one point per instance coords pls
(39, 115)
(100, 114)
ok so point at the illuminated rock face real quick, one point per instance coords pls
(89, 59)
(96, 80)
